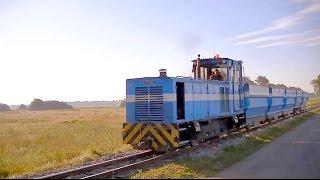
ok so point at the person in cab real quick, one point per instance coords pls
(216, 75)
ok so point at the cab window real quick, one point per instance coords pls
(223, 73)
(235, 75)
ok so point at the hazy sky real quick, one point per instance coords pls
(84, 50)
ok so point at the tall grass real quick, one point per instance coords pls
(34, 141)
(313, 101)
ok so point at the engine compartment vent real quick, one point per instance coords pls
(149, 103)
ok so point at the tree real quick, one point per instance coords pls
(22, 107)
(316, 85)
(4, 107)
(38, 104)
(262, 81)
(248, 80)
(122, 103)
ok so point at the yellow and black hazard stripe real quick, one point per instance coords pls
(160, 135)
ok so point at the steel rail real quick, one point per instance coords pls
(84, 169)
(122, 169)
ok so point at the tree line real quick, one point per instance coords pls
(264, 81)
(38, 104)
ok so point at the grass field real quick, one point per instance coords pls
(34, 141)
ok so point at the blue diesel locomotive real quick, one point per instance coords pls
(169, 112)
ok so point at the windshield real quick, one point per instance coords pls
(218, 73)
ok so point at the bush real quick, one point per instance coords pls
(22, 107)
(38, 104)
(4, 107)
(122, 104)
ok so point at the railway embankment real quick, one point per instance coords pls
(210, 159)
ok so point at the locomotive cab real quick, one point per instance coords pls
(230, 71)
(204, 68)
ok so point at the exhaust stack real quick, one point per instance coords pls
(163, 73)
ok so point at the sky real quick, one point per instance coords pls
(76, 50)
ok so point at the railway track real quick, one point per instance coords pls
(119, 167)
(107, 169)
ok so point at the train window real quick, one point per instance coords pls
(201, 72)
(180, 100)
(235, 75)
(204, 73)
(223, 73)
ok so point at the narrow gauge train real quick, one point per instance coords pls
(168, 112)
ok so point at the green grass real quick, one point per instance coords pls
(206, 167)
(35, 141)
(313, 101)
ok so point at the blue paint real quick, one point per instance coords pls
(225, 102)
